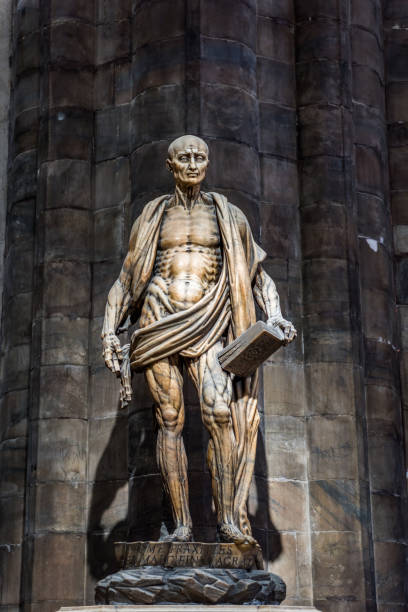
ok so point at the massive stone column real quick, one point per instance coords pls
(356, 479)
(338, 477)
(383, 423)
(55, 508)
(282, 502)
(5, 49)
(23, 45)
(391, 533)
(107, 469)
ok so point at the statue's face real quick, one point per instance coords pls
(188, 162)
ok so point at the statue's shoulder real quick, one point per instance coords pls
(207, 197)
(152, 205)
(148, 214)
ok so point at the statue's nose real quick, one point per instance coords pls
(192, 163)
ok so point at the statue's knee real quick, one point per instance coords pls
(170, 417)
(221, 413)
(207, 416)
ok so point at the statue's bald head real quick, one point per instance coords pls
(188, 161)
(186, 142)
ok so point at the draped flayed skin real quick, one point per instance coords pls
(241, 257)
(188, 333)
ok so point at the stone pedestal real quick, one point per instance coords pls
(189, 573)
(185, 585)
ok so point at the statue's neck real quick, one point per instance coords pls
(187, 197)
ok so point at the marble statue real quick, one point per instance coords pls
(190, 279)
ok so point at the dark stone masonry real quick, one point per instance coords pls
(304, 105)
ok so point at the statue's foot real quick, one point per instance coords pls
(228, 532)
(180, 534)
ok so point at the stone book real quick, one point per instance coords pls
(251, 349)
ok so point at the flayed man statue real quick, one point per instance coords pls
(190, 278)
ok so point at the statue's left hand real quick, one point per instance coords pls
(112, 352)
(287, 327)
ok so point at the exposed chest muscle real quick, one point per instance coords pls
(188, 258)
(196, 227)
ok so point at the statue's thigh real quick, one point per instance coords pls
(166, 384)
(213, 383)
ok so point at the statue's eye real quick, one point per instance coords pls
(183, 158)
(200, 158)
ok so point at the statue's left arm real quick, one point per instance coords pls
(117, 306)
(268, 300)
(263, 287)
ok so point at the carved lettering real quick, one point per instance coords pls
(194, 554)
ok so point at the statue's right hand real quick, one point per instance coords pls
(112, 352)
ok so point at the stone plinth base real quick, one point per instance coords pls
(188, 554)
(191, 608)
(162, 585)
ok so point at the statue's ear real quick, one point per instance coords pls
(169, 165)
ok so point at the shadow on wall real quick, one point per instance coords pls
(100, 550)
(149, 514)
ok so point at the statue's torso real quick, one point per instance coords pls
(188, 259)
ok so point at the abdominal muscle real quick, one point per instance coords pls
(188, 277)
(182, 276)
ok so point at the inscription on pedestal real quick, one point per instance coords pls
(188, 554)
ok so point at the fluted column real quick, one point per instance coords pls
(338, 476)
(107, 466)
(391, 497)
(55, 528)
(20, 22)
(281, 494)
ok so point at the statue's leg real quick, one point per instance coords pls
(215, 390)
(166, 385)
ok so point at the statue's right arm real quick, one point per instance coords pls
(117, 305)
